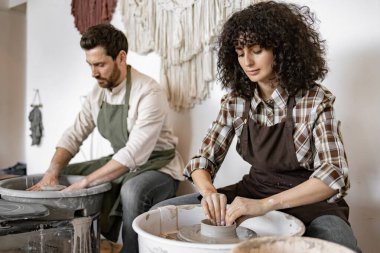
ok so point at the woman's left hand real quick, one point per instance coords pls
(244, 206)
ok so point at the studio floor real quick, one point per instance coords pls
(109, 247)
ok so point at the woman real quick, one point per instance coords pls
(270, 57)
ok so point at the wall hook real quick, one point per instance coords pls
(36, 99)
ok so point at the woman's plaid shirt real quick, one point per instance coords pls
(317, 137)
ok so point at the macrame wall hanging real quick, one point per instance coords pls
(182, 32)
(91, 12)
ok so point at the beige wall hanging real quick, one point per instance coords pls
(182, 33)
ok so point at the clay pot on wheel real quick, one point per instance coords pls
(205, 232)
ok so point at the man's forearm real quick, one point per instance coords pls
(59, 161)
(106, 173)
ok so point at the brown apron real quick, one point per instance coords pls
(275, 168)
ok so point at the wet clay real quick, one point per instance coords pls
(208, 233)
(57, 187)
(210, 230)
(82, 234)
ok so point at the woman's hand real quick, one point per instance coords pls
(244, 206)
(308, 192)
(214, 206)
(213, 203)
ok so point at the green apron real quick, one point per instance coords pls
(112, 125)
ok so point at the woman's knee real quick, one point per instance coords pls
(181, 200)
(334, 229)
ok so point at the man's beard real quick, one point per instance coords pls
(109, 83)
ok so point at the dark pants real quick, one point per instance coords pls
(138, 195)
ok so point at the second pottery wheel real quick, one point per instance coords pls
(61, 205)
(210, 234)
(15, 211)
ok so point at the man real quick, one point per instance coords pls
(130, 110)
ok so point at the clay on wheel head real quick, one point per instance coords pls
(57, 187)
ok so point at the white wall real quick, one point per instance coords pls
(12, 87)
(351, 30)
(56, 66)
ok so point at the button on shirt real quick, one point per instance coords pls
(148, 126)
(317, 137)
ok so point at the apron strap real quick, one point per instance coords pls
(247, 107)
(289, 114)
(128, 87)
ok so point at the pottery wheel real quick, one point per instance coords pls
(15, 211)
(193, 234)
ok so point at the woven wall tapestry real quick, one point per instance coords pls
(182, 32)
(91, 12)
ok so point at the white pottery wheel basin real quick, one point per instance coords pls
(156, 226)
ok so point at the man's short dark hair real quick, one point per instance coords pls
(106, 36)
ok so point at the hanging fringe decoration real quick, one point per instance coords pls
(139, 19)
(91, 12)
(182, 32)
(35, 118)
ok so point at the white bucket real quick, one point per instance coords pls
(289, 245)
(153, 225)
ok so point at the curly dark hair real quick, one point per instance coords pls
(107, 36)
(287, 29)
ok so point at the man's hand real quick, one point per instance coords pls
(47, 180)
(59, 161)
(79, 185)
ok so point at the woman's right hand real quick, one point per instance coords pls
(214, 205)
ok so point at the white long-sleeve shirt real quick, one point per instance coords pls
(147, 121)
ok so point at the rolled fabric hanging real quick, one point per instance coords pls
(35, 118)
